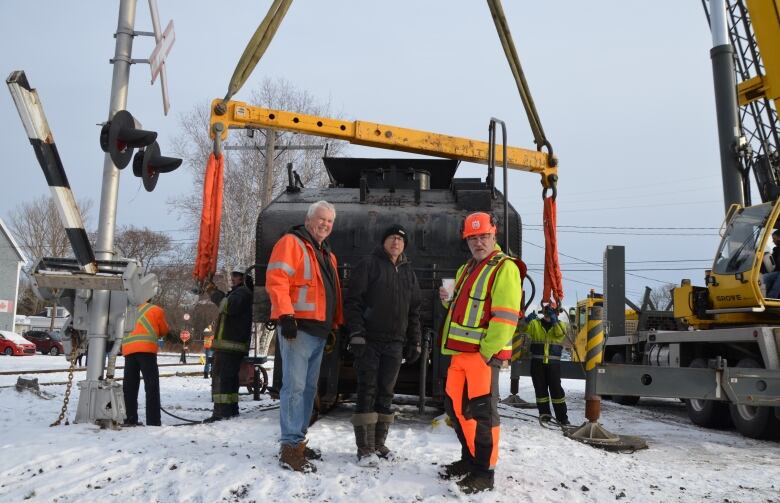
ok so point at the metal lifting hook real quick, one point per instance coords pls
(553, 184)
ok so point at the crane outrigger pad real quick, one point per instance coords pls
(595, 435)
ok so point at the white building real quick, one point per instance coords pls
(11, 261)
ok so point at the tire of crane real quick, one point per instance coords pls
(619, 359)
(751, 421)
(707, 413)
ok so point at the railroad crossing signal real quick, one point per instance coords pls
(184, 335)
(121, 135)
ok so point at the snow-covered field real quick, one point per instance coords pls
(236, 460)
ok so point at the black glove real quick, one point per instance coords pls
(289, 327)
(357, 345)
(412, 353)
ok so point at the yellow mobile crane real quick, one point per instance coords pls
(719, 348)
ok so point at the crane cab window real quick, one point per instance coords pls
(737, 251)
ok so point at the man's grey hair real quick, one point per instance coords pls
(320, 204)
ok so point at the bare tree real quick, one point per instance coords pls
(660, 296)
(244, 191)
(143, 244)
(37, 228)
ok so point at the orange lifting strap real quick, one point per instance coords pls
(553, 281)
(210, 219)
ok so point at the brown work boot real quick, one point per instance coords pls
(311, 453)
(291, 457)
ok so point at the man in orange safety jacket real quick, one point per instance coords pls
(140, 352)
(477, 333)
(303, 284)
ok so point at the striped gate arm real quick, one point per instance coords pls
(31, 112)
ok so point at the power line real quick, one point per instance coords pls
(635, 186)
(653, 205)
(620, 227)
(594, 263)
(671, 261)
(629, 270)
(613, 233)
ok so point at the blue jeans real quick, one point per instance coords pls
(301, 358)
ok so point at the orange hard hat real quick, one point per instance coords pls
(478, 223)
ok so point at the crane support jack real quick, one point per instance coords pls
(592, 432)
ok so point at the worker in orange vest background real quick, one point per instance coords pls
(140, 352)
(207, 341)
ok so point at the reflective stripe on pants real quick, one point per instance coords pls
(224, 382)
(546, 378)
(472, 404)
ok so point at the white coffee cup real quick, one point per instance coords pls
(449, 285)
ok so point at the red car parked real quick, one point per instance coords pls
(15, 344)
(45, 342)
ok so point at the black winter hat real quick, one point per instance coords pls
(396, 229)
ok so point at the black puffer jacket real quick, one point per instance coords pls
(383, 301)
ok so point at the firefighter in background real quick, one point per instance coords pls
(477, 332)
(546, 336)
(140, 352)
(231, 341)
(208, 339)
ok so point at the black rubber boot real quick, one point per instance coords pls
(456, 469)
(364, 425)
(476, 482)
(561, 413)
(382, 427)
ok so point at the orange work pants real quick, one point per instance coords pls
(472, 404)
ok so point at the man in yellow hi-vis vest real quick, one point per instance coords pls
(140, 352)
(477, 332)
(547, 337)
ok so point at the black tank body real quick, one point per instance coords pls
(372, 194)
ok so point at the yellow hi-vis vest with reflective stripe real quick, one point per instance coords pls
(143, 339)
(484, 312)
(547, 344)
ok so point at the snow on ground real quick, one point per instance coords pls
(236, 460)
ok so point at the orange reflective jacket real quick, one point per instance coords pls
(294, 281)
(207, 341)
(149, 325)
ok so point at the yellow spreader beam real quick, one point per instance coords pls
(240, 115)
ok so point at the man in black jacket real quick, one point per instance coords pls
(231, 341)
(382, 316)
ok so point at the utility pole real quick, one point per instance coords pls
(104, 245)
(268, 175)
(729, 128)
(267, 181)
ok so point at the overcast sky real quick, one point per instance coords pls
(624, 91)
